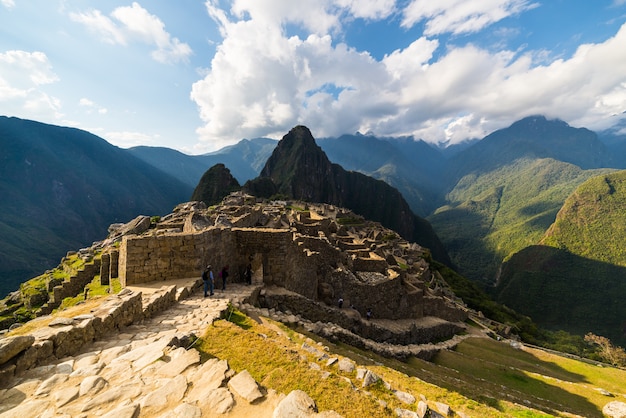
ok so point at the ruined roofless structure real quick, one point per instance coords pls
(304, 257)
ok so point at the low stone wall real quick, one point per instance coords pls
(67, 336)
(351, 320)
(439, 307)
(71, 287)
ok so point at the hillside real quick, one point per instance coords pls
(494, 213)
(481, 377)
(62, 188)
(299, 169)
(580, 266)
(533, 137)
(216, 183)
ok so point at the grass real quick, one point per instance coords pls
(71, 307)
(274, 356)
(553, 383)
(95, 290)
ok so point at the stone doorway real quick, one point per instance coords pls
(257, 268)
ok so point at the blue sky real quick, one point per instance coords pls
(197, 76)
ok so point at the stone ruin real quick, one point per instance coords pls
(304, 257)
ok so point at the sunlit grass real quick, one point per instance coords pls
(274, 356)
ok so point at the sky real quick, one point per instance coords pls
(200, 75)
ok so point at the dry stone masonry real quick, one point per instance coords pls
(306, 256)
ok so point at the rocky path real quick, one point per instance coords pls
(142, 373)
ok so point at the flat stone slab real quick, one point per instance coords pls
(244, 385)
(296, 404)
(181, 359)
(12, 346)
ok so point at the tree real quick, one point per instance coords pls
(614, 355)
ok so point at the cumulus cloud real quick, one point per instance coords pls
(460, 16)
(23, 76)
(262, 82)
(132, 23)
(9, 4)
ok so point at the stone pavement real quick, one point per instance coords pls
(140, 372)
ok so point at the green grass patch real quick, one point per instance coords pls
(95, 290)
(552, 383)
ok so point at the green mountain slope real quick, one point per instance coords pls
(495, 213)
(580, 268)
(563, 291)
(61, 188)
(592, 222)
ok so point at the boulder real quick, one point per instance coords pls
(244, 385)
(12, 346)
(346, 365)
(296, 404)
(615, 409)
(404, 397)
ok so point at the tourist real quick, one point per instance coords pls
(224, 275)
(368, 315)
(340, 303)
(207, 278)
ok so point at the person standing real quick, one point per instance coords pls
(207, 278)
(224, 276)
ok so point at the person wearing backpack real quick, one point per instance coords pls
(207, 279)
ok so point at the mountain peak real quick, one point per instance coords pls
(296, 156)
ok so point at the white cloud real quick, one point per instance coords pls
(101, 25)
(460, 16)
(91, 106)
(9, 4)
(136, 23)
(23, 76)
(369, 9)
(459, 93)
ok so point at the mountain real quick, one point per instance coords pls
(215, 185)
(413, 167)
(492, 214)
(61, 189)
(579, 266)
(532, 137)
(298, 168)
(505, 190)
(244, 159)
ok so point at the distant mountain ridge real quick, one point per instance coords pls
(61, 189)
(245, 159)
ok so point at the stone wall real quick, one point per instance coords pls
(71, 287)
(168, 256)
